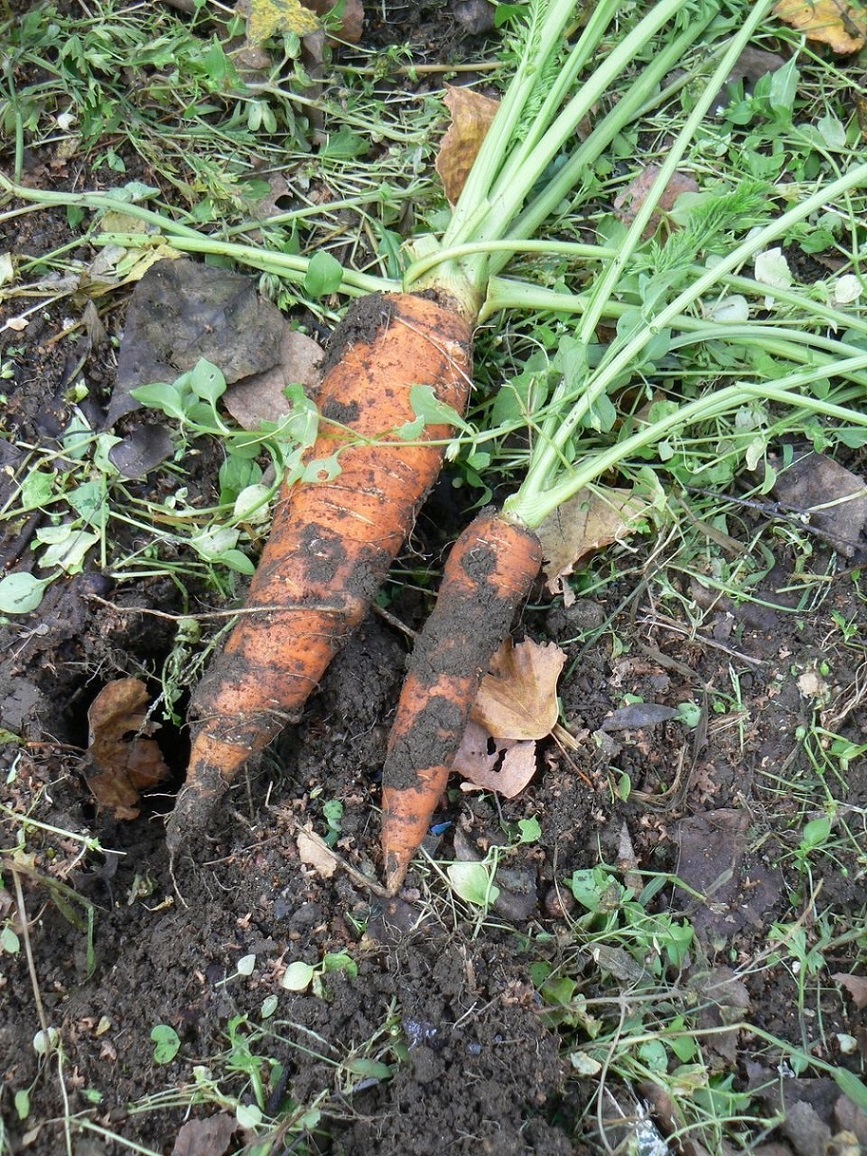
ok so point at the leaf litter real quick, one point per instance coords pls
(124, 760)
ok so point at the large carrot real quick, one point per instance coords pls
(332, 541)
(488, 574)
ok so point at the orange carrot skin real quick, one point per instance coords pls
(331, 542)
(489, 573)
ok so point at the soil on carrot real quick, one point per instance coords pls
(363, 320)
(421, 1027)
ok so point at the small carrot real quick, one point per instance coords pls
(489, 572)
(332, 541)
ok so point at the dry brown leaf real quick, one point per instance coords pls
(125, 761)
(507, 769)
(316, 853)
(518, 697)
(471, 115)
(260, 397)
(856, 985)
(842, 24)
(590, 521)
(208, 1137)
(351, 14)
(628, 203)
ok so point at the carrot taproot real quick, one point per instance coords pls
(332, 541)
(487, 575)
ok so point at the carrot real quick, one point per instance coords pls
(489, 572)
(332, 541)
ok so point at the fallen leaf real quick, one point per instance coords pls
(833, 498)
(638, 715)
(209, 1137)
(125, 761)
(316, 853)
(842, 24)
(518, 697)
(629, 202)
(471, 114)
(856, 985)
(590, 521)
(351, 13)
(182, 311)
(261, 398)
(267, 17)
(507, 769)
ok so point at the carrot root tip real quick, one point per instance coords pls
(194, 808)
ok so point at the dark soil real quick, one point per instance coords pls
(477, 1062)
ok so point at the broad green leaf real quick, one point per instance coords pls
(251, 505)
(167, 1043)
(36, 489)
(238, 561)
(530, 830)
(206, 380)
(268, 17)
(345, 145)
(90, 501)
(321, 470)
(653, 1053)
(215, 542)
(9, 941)
(68, 551)
(427, 405)
(324, 275)
(784, 87)
(367, 1069)
(22, 1103)
(816, 833)
(160, 396)
(248, 1115)
(851, 1086)
(472, 881)
(21, 593)
(340, 961)
(297, 976)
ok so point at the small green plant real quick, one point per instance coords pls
(167, 1043)
(473, 882)
(300, 976)
(89, 504)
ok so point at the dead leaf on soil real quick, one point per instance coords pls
(125, 761)
(518, 697)
(182, 311)
(628, 204)
(261, 397)
(351, 14)
(834, 498)
(316, 853)
(590, 521)
(507, 769)
(209, 1137)
(471, 114)
(842, 24)
(856, 985)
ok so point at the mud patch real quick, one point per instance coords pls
(365, 317)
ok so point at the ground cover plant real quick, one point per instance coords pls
(663, 935)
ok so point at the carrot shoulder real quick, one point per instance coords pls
(489, 572)
(332, 541)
